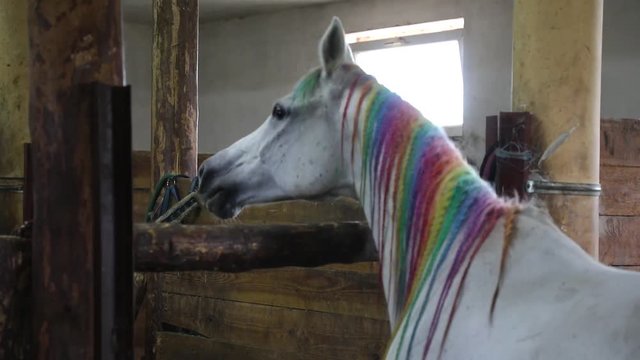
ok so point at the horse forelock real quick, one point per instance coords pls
(306, 87)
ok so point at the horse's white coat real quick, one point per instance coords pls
(556, 302)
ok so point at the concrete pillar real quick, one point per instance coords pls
(557, 54)
(14, 96)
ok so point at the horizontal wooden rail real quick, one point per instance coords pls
(241, 247)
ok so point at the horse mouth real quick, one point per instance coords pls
(221, 202)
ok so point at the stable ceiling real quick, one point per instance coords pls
(140, 10)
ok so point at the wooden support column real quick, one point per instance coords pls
(174, 112)
(14, 94)
(557, 53)
(174, 116)
(81, 279)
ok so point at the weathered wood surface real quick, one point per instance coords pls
(15, 294)
(164, 247)
(179, 346)
(14, 92)
(619, 240)
(71, 43)
(620, 190)
(309, 334)
(82, 266)
(620, 198)
(141, 168)
(174, 114)
(322, 289)
(619, 142)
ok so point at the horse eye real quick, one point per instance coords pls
(279, 112)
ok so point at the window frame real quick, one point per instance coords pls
(420, 39)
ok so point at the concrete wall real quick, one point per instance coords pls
(621, 59)
(137, 49)
(245, 64)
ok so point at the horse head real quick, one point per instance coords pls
(296, 152)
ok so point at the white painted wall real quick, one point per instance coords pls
(245, 64)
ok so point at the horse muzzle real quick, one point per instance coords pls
(220, 201)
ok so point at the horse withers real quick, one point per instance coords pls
(466, 274)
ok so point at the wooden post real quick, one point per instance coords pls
(14, 91)
(174, 116)
(174, 112)
(557, 52)
(80, 297)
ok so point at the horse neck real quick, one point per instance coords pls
(423, 202)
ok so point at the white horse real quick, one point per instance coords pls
(466, 274)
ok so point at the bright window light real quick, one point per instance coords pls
(428, 76)
(406, 30)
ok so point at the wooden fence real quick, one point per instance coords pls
(620, 199)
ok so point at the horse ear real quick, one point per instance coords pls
(333, 47)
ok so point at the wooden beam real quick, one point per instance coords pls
(619, 145)
(76, 219)
(233, 248)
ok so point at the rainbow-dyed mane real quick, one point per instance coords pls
(467, 275)
(429, 210)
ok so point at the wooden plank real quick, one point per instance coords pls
(620, 240)
(140, 203)
(173, 346)
(168, 247)
(620, 142)
(370, 267)
(309, 333)
(141, 170)
(339, 292)
(620, 190)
